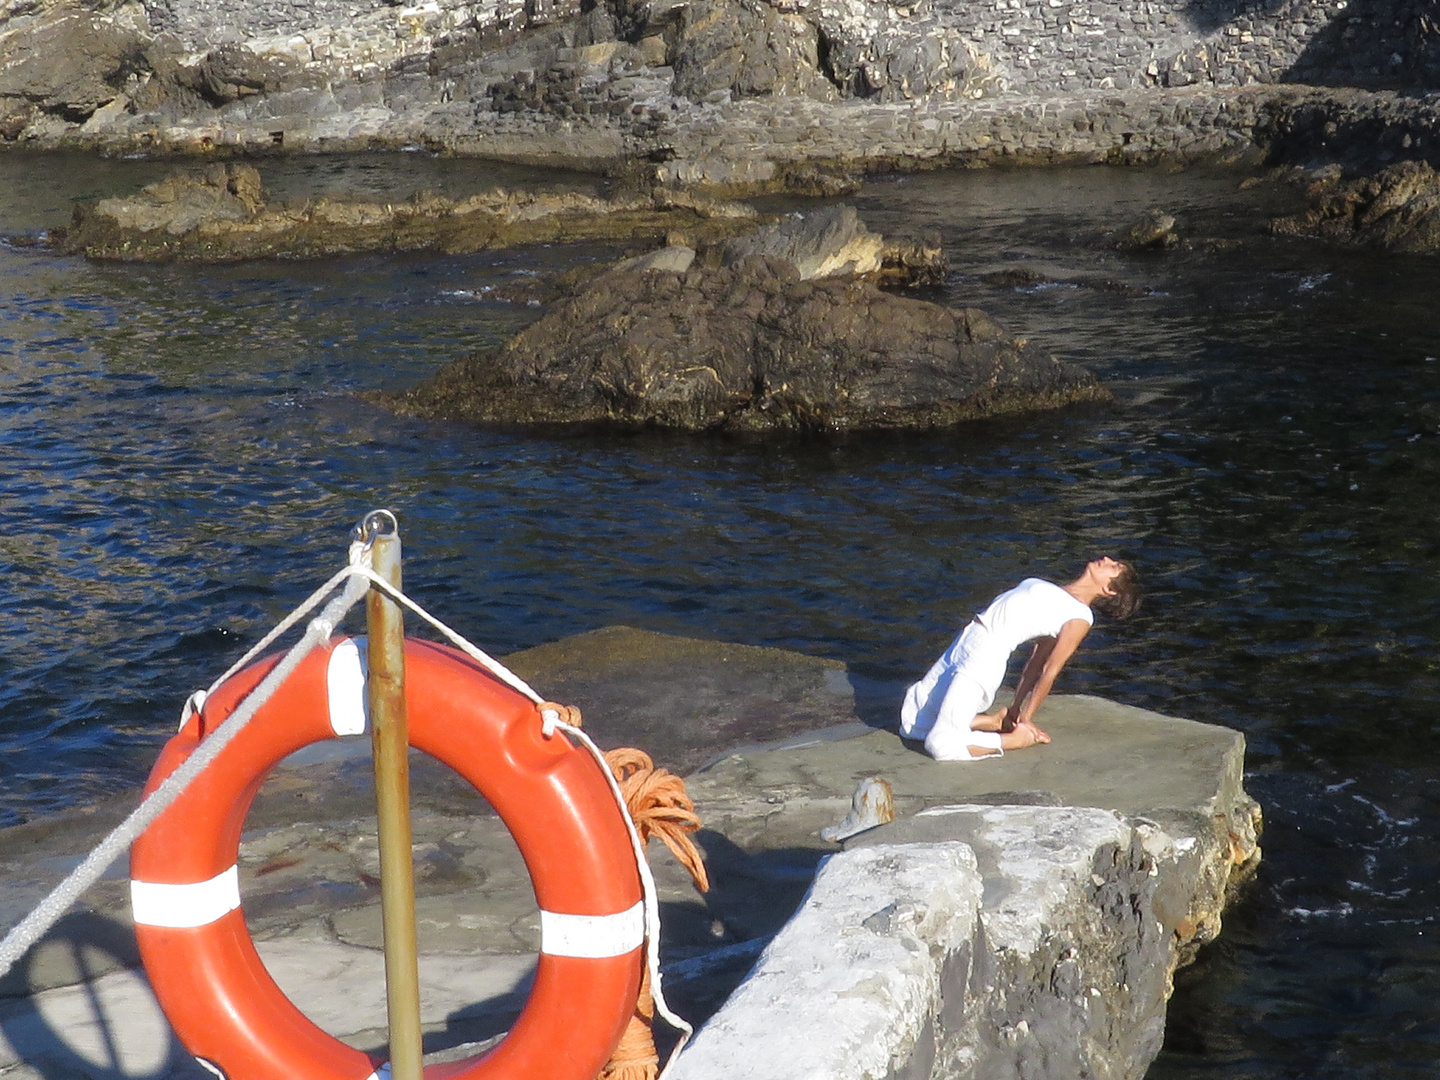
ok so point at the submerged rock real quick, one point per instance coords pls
(1397, 208)
(1153, 231)
(751, 346)
(220, 215)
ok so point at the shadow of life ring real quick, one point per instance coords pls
(551, 794)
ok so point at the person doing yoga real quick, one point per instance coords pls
(947, 707)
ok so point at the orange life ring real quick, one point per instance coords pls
(210, 981)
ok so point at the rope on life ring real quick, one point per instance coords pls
(659, 806)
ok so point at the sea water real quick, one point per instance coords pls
(183, 449)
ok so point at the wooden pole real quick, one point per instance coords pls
(389, 732)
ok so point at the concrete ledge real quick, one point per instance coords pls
(848, 988)
(887, 969)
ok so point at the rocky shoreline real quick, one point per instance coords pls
(220, 214)
(739, 323)
(730, 94)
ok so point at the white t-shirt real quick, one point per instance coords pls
(980, 654)
(1033, 609)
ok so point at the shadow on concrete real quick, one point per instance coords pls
(710, 944)
(877, 701)
(105, 1025)
(475, 1028)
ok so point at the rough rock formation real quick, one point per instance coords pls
(1154, 230)
(219, 215)
(1100, 873)
(828, 243)
(1397, 209)
(751, 346)
(724, 92)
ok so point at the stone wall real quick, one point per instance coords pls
(1045, 46)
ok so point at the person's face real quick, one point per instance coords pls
(1103, 571)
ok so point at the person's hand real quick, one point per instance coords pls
(1012, 716)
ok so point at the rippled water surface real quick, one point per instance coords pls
(183, 449)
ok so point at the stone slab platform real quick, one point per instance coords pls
(1171, 787)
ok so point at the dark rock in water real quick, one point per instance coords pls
(1397, 208)
(1113, 286)
(220, 215)
(1155, 230)
(1016, 277)
(751, 347)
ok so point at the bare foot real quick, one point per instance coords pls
(1040, 736)
(1024, 735)
(988, 721)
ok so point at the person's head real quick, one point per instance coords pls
(1119, 595)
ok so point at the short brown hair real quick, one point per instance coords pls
(1124, 599)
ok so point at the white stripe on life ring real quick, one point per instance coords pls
(181, 906)
(345, 681)
(592, 937)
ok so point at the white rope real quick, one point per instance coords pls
(652, 903)
(551, 723)
(361, 577)
(34, 926)
(360, 556)
(495, 667)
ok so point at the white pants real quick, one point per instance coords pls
(939, 709)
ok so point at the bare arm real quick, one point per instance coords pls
(1046, 661)
(1039, 653)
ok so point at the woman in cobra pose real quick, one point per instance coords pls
(947, 707)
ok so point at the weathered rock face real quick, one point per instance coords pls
(856, 971)
(827, 243)
(1029, 949)
(751, 347)
(67, 60)
(746, 48)
(1397, 209)
(722, 92)
(219, 215)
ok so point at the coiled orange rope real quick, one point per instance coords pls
(659, 806)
